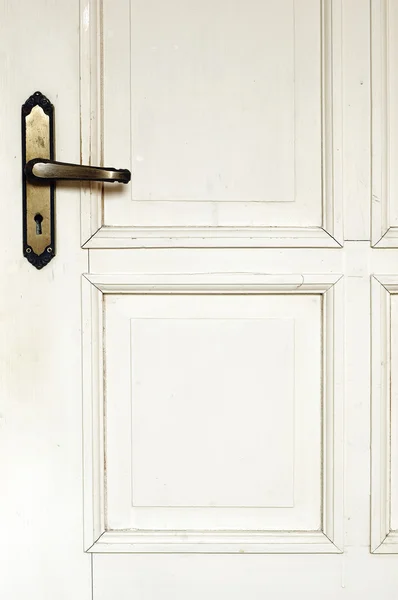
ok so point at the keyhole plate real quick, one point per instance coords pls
(38, 198)
(39, 221)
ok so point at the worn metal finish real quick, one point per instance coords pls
(38, 200)
(40, 169)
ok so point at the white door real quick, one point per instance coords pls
(198, 393)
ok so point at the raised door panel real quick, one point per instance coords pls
(210, 400)
(384, 528)
(229, 115)
(384, 124)
(214, 405)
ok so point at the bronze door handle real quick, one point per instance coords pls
(42, 169)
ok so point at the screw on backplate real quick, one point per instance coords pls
(28, 250)
(49, 249)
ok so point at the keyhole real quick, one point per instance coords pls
(38, 219)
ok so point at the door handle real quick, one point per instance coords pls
(40, 172)
(42, 169)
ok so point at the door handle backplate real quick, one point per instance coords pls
(40, 172)
(38, 201)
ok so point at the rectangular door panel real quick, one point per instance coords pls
(384, 528)
(384, 124)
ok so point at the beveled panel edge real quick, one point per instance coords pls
(222, 542)
(211, 237)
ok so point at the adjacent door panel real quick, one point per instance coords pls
(384, 414)
(384, 124)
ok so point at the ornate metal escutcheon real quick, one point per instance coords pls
(40, 172)
(38, 200)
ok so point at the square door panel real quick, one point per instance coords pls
(213, 408)
(213, 416)
(228, 116)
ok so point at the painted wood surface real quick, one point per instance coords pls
(40, 321)
(198, 395)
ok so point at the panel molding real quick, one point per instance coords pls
(211, 237)
(383, 234)
(91, 114)
(93, 413)
(383, 539)
(94, 234)
(224, 542)
(96, 536)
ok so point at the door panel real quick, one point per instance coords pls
(384, 124)
(221, 422)
(212, 388)
(384, 414)
(234, 137)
